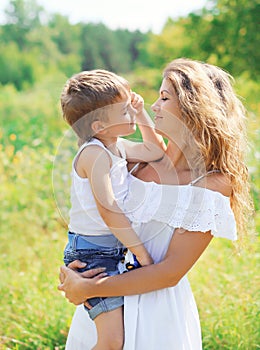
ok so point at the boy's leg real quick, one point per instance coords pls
(110, 330)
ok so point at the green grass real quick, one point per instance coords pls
(225, 282)
(33, 313)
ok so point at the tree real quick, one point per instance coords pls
(113, 50)
(65, 35)
(21, 17)
(224, 33)
(232, 35)
(19, 72)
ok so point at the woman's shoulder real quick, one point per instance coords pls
(216, 182)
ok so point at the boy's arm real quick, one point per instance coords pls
(96, 164)
(152, 147)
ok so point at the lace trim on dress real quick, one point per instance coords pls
(189, 207)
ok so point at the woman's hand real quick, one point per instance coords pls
(77, 285)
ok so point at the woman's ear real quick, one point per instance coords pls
(97, 127)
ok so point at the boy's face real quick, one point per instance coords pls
(121, 119)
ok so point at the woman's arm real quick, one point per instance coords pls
(184, 250)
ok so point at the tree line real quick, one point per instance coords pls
(35, 43)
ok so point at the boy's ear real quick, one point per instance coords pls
(97, 127)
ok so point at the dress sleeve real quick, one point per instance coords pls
(189, 207)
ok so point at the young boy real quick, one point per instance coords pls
(100, 107)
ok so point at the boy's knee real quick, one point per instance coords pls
(116, 343)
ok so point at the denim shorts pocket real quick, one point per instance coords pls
(108, 258)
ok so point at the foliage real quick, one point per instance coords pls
(224, 33)
(224, 282)
(22, 17)
(41, 47)
(249, 90)
(236, 23)
(21, 71)
(112, 50)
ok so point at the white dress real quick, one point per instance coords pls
(166, 319)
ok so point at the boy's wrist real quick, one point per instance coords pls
(142, 255)
(140, 114)
(141, 117)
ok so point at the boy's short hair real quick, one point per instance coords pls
(85, 96)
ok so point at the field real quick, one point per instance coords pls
(34, 200)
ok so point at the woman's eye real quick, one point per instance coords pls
(164, 98)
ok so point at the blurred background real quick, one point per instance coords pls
(42, 43)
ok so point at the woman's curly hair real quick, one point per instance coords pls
(215, 117)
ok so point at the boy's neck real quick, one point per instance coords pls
(110, 144)
(107, 141)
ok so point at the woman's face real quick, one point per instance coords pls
(168, 118)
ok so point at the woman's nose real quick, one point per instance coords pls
(155, 107)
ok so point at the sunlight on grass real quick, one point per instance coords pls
(226, 287)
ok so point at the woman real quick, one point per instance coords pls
(203, 176)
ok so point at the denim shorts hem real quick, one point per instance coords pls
(105, 305)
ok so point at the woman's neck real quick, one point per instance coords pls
(176, 157)
(186, 160)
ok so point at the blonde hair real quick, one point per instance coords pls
(216, 119)
(86, 96)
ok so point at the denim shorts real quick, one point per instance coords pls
(79, 248)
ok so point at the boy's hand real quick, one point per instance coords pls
(137, 102)
(145, 260)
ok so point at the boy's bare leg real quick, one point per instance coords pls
(110, 330)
